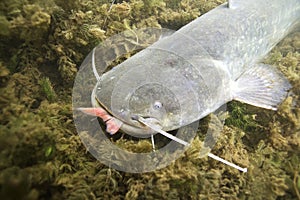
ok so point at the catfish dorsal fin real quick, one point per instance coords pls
(262, 85)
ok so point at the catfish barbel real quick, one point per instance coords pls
(205, 64)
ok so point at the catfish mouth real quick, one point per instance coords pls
(132, 126)
(138, 129)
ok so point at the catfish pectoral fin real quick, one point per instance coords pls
(262, 85)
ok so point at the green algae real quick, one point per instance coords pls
(47, 89)
(42, 157)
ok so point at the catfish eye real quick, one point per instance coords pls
(157, 105)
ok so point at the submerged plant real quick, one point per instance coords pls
(47, 89)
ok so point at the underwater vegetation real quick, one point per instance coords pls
(42, 44)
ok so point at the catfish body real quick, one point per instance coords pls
(210, 61)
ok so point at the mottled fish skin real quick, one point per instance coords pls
(192, 70)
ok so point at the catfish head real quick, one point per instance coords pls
(165, 93)
(163, 98)
(155, 103)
